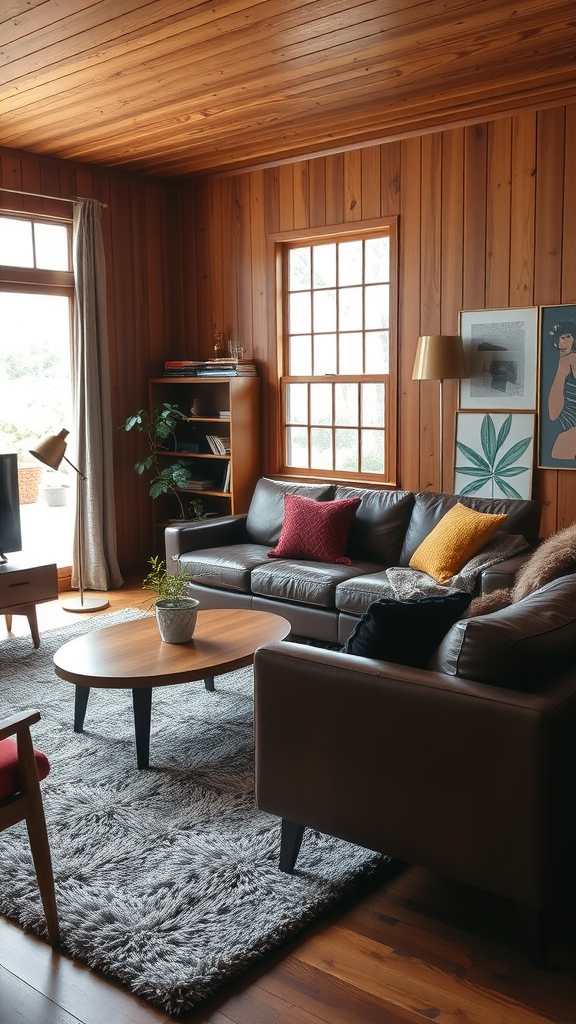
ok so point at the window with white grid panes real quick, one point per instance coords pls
(337, 357)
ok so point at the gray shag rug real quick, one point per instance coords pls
(167, 879)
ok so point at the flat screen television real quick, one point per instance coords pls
(10, 531)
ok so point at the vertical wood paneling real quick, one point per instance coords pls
(317, 172)
(244, 291)
(522, 212)
(353, 185)
(409, 427)
(286, 197)
(301, 184)
(335, 189)
(498, 201)
(390, 179)
(431, 189)
(227, 284)
(475, 139)
(370, 183)
(451, 274)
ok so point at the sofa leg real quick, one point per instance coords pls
(290, 840)
(532, 922)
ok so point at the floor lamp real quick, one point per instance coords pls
(440, 357)
(51, 453)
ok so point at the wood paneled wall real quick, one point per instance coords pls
(486, 219)
(143, 274)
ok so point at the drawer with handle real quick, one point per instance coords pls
(27, 586)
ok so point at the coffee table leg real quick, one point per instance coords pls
(209, 683)
(80, 704)
(142, 703)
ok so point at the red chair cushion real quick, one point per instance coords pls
(9, 777)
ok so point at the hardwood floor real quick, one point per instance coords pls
(411, 947)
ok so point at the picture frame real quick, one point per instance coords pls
(557, 387)
(494, 454)
(501, 352)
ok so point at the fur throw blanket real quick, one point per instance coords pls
(555, 557)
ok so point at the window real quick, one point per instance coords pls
(338, 355)
(36, 293)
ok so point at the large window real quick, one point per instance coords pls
(338, 356)
(36, 293)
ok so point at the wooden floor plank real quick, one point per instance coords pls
(408, 982)
(22, 1004)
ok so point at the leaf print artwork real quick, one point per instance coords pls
(493, 465)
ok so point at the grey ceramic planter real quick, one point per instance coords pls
(176, 619)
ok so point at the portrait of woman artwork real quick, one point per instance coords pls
(557, 445)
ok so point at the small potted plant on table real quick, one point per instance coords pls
(175, 612)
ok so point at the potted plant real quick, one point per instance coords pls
(160, 426)
(175, 612)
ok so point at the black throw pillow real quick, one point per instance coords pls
(406, 632)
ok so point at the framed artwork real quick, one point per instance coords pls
(500, 347)
(557, 388)
(494, 454)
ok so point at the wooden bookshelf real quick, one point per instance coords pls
(238, 396)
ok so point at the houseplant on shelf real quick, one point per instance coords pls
(175, 612)
(160, 427)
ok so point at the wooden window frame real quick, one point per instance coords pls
(34, 281)
(313, 236)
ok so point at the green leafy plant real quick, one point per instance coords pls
(167, 586)
(160, 427)
(486, 470)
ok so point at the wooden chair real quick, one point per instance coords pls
(21, 769)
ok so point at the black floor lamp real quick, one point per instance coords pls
(440, 357)
(51, 453)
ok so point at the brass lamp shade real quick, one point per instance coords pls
(51, 451)
(439, 357)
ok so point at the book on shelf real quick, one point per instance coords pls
(219, 445)
(224, 414)
(226, 482)
(209, 368)
(198, 484)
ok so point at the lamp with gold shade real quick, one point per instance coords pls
(51, 452)
(440, 357)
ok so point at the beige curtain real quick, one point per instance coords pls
(91, 398)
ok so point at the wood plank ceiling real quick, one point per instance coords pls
(174, 88)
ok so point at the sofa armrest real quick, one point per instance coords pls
(210, 533)
(503, 574)
(436, 771)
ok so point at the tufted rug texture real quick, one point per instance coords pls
(167, 879)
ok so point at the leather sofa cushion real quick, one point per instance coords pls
(356, 594)
(380, 523)
(519, 647)
(522, 517)
(226, 567)
(304, 582)
(266, 511)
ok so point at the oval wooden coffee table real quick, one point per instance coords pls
(132, 656)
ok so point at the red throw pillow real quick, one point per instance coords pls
(316, 530)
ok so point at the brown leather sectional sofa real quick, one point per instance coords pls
(467, 768)
(227, 559)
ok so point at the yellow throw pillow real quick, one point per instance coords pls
(453, 541)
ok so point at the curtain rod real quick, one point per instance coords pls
(39, 195)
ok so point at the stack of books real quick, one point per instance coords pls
(219, 445)
(209, 368)
(199, 483)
